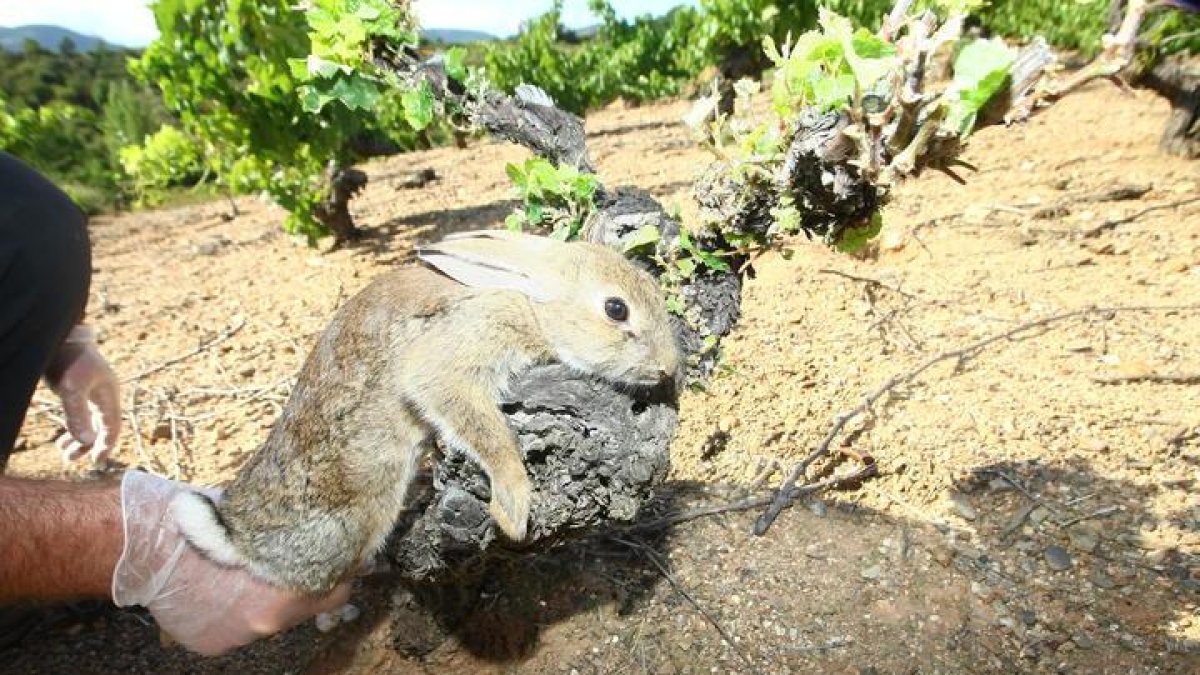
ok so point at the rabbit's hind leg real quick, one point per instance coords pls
(391, 466)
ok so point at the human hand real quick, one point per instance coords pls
(90, 396)
(206, 607)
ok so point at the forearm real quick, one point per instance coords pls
(58, 539)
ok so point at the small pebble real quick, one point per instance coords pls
(873, 572)
(1057, 558)
(999, 485)
(1082, 540)
(349, 612)
(1082, 641)
(944, 556)
(1028, 617)
(327, 621)
(963, 508)
(818, 508)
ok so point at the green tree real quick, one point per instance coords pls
(67, 47)
(130, 114)
(224, 68)
(31, 47)
(60, 140)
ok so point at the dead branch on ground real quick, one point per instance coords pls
(788, 492)
(1150, 377)
(220, 337)
(1115, 222)
(650, 555)
(869, 281)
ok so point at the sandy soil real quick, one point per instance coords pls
(1038, 507)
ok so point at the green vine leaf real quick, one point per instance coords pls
(856, 239)
(419, 106)
(644, 237)
(981, 70)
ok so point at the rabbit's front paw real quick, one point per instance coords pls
(510, 505)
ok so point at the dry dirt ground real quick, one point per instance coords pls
(1038, 509)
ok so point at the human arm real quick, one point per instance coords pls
(67, 540)
(60, 540)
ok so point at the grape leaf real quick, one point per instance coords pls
(644, 237)
(856, 238)
(456, 63)
(418, 105)
(981, 70)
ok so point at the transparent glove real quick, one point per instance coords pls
(206, 607)
(90, 396)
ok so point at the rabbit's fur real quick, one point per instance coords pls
(419, 355)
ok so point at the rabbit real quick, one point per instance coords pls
(423, 353)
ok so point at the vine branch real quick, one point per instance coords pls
(789, 492)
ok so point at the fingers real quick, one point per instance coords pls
(93, 416)
(282, 609)
(79, 417)
(107, 399)
(70, 448)
(209, 627)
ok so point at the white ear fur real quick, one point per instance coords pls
(532, 240)
(495, 259)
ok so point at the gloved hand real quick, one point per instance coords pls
(206, 607)
(90, 396)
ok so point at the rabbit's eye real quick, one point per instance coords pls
(616, 309)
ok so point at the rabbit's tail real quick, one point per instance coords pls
(201, 524)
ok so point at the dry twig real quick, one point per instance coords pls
(749, 503)
(135, 426)
(1149, 377)
(1088, 516)
(651, 556)
(869, 281)
(1115, 222)
(224, 335)
(1020, 487)
(787, 492)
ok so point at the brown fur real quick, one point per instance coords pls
(414, 356)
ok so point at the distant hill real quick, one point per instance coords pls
(453, 36)
(49, 37)
(587, 32)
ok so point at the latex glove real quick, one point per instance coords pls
(206, 607)
(90, 396)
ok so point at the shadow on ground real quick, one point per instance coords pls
(422, 228)
(831, 586)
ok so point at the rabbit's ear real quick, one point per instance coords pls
(532, 241)
(494, 259)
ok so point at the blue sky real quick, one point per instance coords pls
(129, 22)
